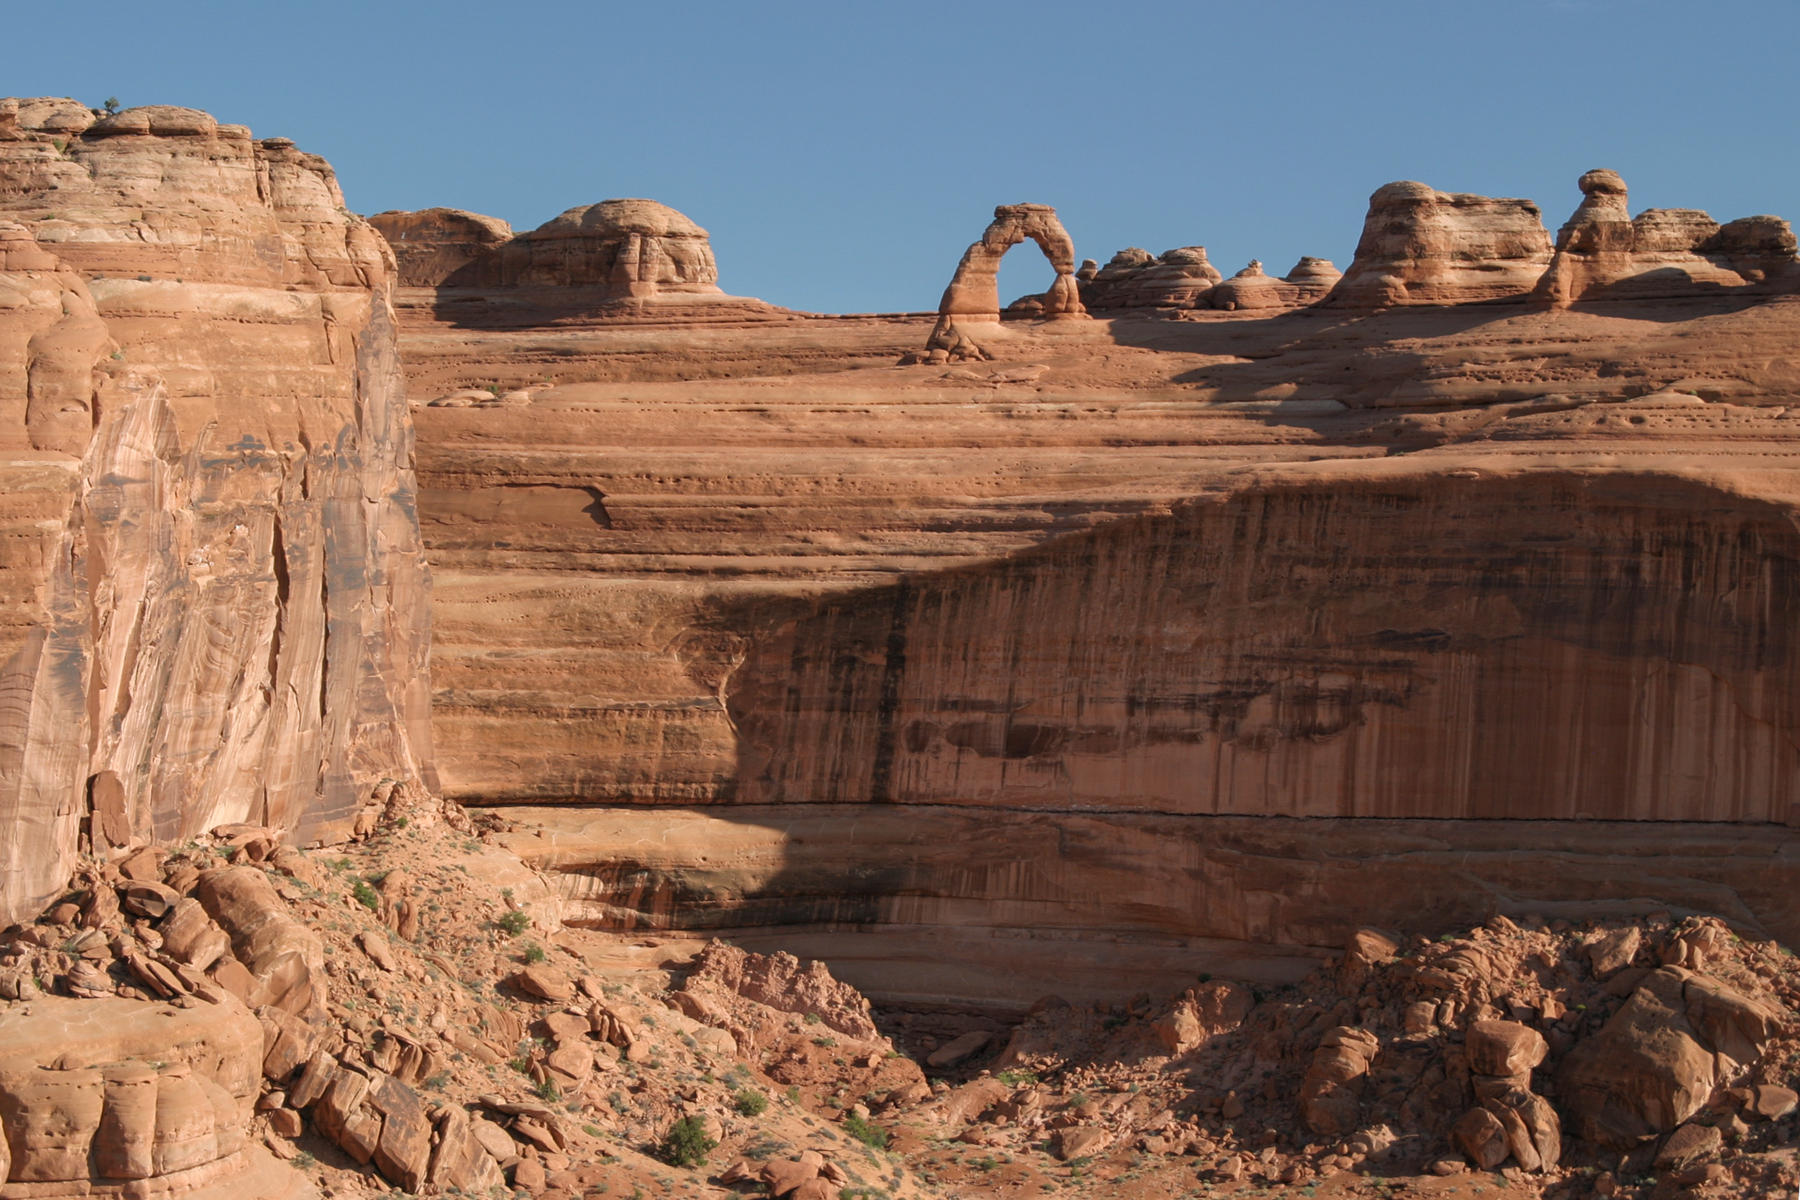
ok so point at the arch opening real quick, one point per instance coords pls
(973, 297)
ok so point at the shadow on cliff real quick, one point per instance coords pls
(1260, 720)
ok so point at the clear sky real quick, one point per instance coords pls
(843, 154)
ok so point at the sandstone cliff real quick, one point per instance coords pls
(1221, 632)
(215, 610)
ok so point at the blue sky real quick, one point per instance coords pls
(843, 154)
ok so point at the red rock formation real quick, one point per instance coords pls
(971, 303)
(436, 244)
(1602, 253)
(1423, 246)
(1132, 278)
(600, 262)
(92, 1090)
(632, 248)
(1075, 653)
(220, 616)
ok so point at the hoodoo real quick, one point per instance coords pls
(1602, 252)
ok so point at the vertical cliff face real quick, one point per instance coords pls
(215, 599)
(1413, 648)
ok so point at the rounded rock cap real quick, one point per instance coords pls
(157, 120)
(1403, 191)
(646, 217)
(1313, 268)
(1186, 255)
(1603, 182)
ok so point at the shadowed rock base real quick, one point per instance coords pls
(967, 907)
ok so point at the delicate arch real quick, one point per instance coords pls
(973, 296)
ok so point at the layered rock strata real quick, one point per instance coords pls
(215, 610)
(1423, 246)
(1135, 278)
(1183, 278)
(437, 244)
(99, 1101)
(1156, 587)
(634, 248)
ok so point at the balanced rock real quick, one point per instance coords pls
(1504, 1048)
(1656, 1061)
(1331, 1092)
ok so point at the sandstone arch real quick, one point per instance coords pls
(973, 297)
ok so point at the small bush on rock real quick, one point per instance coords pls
(866, 1133)
(687, 1144)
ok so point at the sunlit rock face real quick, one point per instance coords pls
(1423, 246)
(215, 608)
(637, 248)
(1604, 253)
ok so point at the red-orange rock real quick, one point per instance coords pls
(1504, 1048)
(193, 325)
(1423, 246)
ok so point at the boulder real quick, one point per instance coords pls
(544, 982)
(1331, 1091)
(1078, 1141)
(1613, 951)
(1656, 1061)
(286, 958)
(1504, 1048)
(959, 1049)
(1687, 1144)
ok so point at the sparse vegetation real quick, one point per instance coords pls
(750, 1103)
(365, 895)
(687, 1144)
(866, 1132)
(513, 922)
